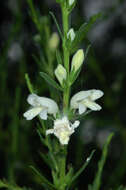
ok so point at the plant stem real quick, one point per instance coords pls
(65, 17)
(66, 94)
(63, 169)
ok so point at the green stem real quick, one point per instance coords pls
(66, 53)
(65, 17)
(63, 169)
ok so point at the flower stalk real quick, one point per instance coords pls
(66, 53)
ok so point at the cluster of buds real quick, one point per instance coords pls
(77, 61)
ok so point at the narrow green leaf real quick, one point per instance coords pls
(82, 32)
(87, 50)
(74, 75)
(82, 168)
(97, 181)
(58, 57)
(41, 137)
(44, 180)
(5, 184)
(69, 175)
(29, 85)
(57, 25)
(50, 81)
(33, 13)
(46, 159)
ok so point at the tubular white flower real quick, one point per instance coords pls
(71, 34)
(86, 99)
(77, 60)
(63, 129)
(40, 106)
(60, 73)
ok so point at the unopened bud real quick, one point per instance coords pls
(77, 60)
(71, 2)
(60, 73)
(71, 34)
(54, 41)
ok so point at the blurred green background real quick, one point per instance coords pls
(104, 68)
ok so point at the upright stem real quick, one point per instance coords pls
(66, 93)
(65, 17)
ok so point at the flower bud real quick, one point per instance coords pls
(60, 73)
(77, 60)
(71, 34)
(71, 2)
(53, 41)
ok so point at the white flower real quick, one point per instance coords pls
(60, 73)
(40, 106)
(77, 60)
(63, 129)
(86, 99)
(71, 2)
(71, 34)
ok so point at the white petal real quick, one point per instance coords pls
(79, 97)
(82, 108)
(30, 114)
(43, 114)
(48, 103)
(49, 131)
(92, 105)
(62, 121)
(75, 124)
(33, 100)
(96, 94)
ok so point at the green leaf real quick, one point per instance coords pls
(41, 137)
(29, 85)
(81, 169)
(57, 25)
(74, 75)
(82, 32)
(58, 57)
(50, 81)
(97, 181)
(5, 184)
(69, 175)
(43, 179)
(46, 159)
